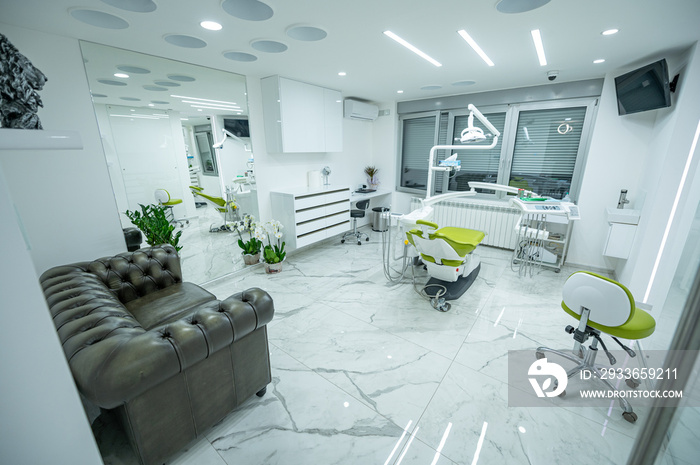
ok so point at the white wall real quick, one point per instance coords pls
(669, 152)
(286, 170)
(64, 198)
(42, 418)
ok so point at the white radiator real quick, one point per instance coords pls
(497, 221)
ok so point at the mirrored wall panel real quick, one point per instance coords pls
(177, 135)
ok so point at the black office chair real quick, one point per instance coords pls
(355, 214)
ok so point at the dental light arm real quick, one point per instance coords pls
(220, 145)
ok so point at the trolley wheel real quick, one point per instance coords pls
(359, 242)
(558, 270)
(367, 240)
(633, 383)
(342, 241)
(629, 416)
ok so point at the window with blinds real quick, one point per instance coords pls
(545, 151)
(417, 140)
(477, 165)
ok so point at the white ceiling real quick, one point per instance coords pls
(376, 66)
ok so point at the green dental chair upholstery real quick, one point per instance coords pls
(601, 305)
(227, 209)
(461, 242)
(163, 198)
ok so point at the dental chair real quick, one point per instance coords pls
(447, 254)
(229, 210)
(163, 198)
(600, 305)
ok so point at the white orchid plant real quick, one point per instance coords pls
(273, 251)
(247, 225)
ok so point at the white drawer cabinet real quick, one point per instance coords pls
(311, 215)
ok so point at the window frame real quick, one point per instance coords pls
(508, 139)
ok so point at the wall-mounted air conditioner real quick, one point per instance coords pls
(354, 109)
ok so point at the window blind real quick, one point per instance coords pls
(418, 139)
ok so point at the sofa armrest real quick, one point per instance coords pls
(120, 368)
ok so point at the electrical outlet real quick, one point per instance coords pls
(386, 112)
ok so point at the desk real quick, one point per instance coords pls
(378, 198)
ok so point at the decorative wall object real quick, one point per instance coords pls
(20, 82)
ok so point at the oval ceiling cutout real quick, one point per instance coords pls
(133, 69)
(185, 41)
(519, 6)
(432, 87)
(181, 78)
(139, 6)
(111, 82)
(99, 95)
(250, 10)
(306, 33)
(464, 83)
(99, 19)
(130, 99)
(155, 88)
(240, 56)
(269, 46)
(160, 102)
(167, 83)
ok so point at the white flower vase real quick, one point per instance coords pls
(272, 268)
(250, 259)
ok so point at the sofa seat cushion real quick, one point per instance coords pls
(167, 304)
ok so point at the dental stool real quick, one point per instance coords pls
(601, 305)
(163, 198)
(447, 254)
(359, 212)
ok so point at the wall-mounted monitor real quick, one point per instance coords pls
(646, 88)
(238, 127)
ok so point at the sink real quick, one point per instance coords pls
(617, 215)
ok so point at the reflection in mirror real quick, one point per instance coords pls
(162, 124)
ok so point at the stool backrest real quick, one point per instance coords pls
(162, 196)
(362, 204)
(610, 303)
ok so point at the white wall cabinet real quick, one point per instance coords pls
(311, 215)
(301, 117)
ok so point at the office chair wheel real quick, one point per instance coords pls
(359, 242)
(367, 240)
(539, 355)
(633, 383)
(342, 241)
(558, 270)
(629, 416)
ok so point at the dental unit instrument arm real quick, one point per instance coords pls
(220, 145)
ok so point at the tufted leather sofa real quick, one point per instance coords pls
(167, 356)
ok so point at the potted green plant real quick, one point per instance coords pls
(273, 252)
(251, 247)
(372, 179)
(154, 225)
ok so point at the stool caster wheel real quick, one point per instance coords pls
(633, 383)
(342, 241)
(367, 240)
(359, 242)
(629, 416)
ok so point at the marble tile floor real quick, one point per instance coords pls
(366, 372)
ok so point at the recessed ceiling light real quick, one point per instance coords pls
(121, 75)
(610, 32)
(151, 105)
(211, 25)
(537, 39)
(599, 60)
(342, 73)
(519, 6)
(412, 48)
(472, 43)
(399, 92)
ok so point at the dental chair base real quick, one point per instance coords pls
(454, 290)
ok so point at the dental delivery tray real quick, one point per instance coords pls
(450, 163)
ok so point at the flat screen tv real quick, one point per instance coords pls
(646, 88)
(238, 127)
